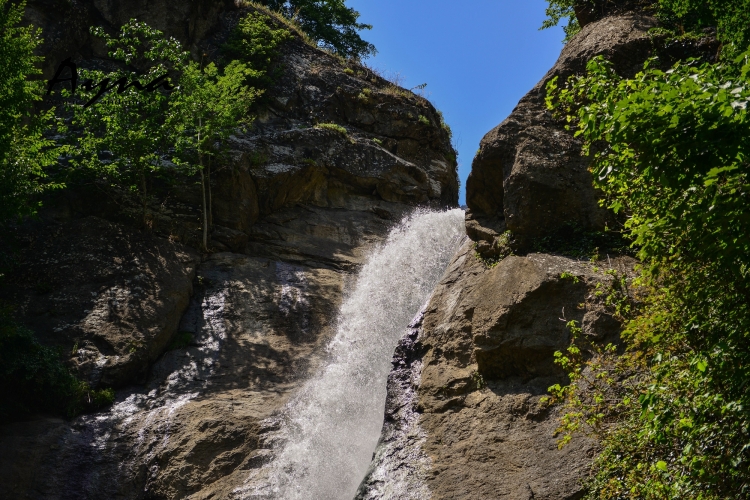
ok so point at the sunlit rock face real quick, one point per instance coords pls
(395, 153)
(529, 176)
(207, 348)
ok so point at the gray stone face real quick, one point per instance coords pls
(108, 296)
(529, 176)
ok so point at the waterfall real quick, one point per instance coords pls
(330, 428)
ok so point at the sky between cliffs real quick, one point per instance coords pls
(478, 58)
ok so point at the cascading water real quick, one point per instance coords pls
(330, 428)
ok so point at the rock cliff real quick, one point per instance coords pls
(529, 176)
(463, 417)
(206, 348)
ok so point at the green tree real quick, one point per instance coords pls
(731, 18)
(255, 41)
(556, 11)
(121, 136)
(206, 108)
(670, 150)
(24, 150)
(330, 23)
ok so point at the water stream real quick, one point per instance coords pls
(329, 430)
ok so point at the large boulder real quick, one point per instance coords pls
(529, 176)
(108, 296)
(464, 416)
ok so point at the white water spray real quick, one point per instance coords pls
(331, 427)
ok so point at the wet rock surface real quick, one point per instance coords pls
(400, 468)
(253, 328)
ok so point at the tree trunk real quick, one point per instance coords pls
(203, 188)
(144, 199)
(205, 213)
(210, 197)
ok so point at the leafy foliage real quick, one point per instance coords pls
(731, 18)
(33, 379)
(25, 152)
(127, 135)
(330, 23)
(208, 106)
(256, 42)
(122, 137)
(670, 151)
(556, 11)
(685, 182)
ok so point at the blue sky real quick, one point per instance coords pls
(478, 57)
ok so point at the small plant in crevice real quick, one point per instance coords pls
(365, 95)
(203, 282)
(332, 126)
(396, 91)
(257, 158)
(490, 254)
(565, 275)
(478, 381)
(444, 125)
(424, 120)
(489, 262)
